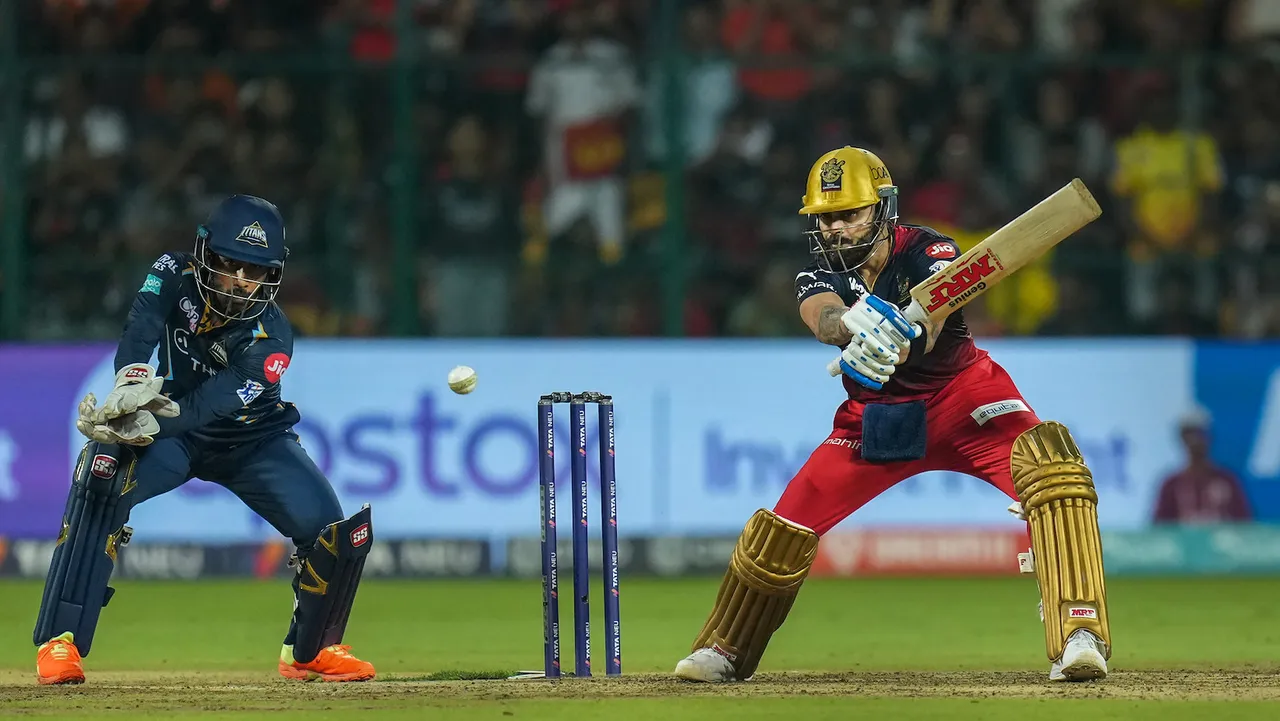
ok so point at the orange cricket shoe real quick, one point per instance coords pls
(333, 663)
(58, 661)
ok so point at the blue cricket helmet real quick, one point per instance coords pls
(248, 229)
(240, 256)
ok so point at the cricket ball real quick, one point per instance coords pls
(462, 380)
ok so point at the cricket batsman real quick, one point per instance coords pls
(212, 409)
(921, 397)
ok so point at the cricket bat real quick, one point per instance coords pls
(1019, 242)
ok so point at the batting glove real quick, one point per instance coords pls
(880, 328)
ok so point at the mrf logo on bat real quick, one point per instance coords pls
(966, 280)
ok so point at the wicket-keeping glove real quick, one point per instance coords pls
(134, 429)
(137, 389)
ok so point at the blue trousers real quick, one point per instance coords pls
(274, 477)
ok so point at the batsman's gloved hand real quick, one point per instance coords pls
(880, 328)
(134, 429)
(862, 368)
(881, 337)
(137, 389)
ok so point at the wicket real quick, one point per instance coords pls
(608, 533)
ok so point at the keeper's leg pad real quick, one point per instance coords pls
(93, 530)
(771, 560)
(326, 581)
(1060, 502)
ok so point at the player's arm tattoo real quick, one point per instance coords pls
(831, 330)
(821, 312)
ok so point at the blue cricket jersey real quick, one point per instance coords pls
(225, 377)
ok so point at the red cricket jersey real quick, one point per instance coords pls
(917, 253)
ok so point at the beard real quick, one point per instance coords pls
(231, 303)
(845, 255)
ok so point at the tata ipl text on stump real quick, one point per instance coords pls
(608, 532)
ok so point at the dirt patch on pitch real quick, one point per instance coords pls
(1137, 685)
(121, 692)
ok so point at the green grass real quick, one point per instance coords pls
(763, 709)
(159, 640)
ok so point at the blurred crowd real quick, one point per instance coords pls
(563, 164)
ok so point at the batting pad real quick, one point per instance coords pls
(1057, 494)
(770, 561)
(93, 530)
(326, 583)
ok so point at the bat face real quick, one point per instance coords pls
(952, 286)
(1019, 242)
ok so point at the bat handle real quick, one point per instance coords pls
(834, 368)
(914, 312)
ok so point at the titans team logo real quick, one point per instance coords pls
(253, 234)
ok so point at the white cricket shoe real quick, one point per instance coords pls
(1083, 659)
(705, 665)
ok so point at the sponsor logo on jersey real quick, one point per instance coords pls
(808, 288)
(938, 265)
(253, 234)
(183, 342)
(103, 466)
(193, 313)
(942, 250)
(151, 285)
(850, 443)
(274, 366)
(982, 414)
(250, 391)
(166, 262)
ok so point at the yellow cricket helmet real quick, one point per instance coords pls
(848, 179)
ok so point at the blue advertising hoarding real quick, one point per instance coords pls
(1239, 385)
(707, 431)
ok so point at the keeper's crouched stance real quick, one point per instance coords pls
(919, 399)
(214, 411)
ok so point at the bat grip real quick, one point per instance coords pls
(914, 312)
(834, 368)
